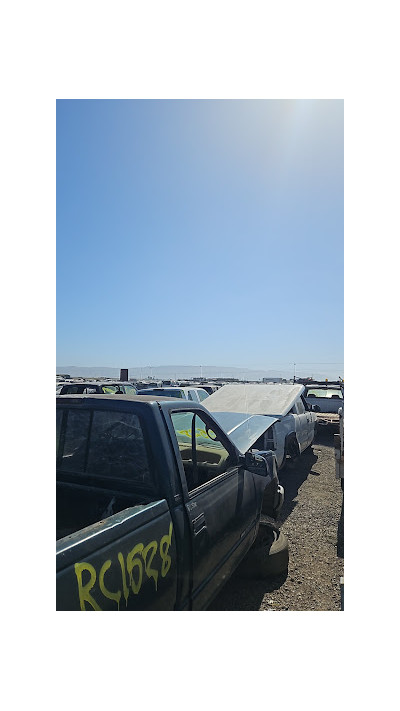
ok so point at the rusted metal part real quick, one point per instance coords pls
(327, 418)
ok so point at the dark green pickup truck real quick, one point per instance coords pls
(155, 505)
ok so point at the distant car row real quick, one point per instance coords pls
(125, 388)
(194, 394)
(93, 387)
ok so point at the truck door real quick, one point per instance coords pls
(310, 417)
(220, 500)
(305, 427)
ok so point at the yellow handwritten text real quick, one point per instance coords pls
(136, 564)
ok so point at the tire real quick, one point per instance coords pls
(268, 557)
(292, 448)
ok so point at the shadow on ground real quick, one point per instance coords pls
(292, 477)
(324, 435)
(245, 594)
(296, 471)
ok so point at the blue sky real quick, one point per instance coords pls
(200, 232)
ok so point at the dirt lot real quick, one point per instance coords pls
(312, 519)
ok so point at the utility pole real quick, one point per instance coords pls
(294, 373)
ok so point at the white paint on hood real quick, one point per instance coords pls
(274, 399)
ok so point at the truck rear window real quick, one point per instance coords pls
(104, 443)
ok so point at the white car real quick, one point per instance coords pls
(273, 416)
(194, 394)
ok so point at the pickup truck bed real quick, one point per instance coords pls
(131, 571)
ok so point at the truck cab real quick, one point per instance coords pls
(156, 507)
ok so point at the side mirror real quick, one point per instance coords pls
(211, 434)
(254, 463)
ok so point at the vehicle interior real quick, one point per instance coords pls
(204, 466)
(203, 456)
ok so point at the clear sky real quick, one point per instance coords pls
(200, 232)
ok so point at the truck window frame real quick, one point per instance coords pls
(85, 477)
(222, 438)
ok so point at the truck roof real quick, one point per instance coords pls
(120, 398)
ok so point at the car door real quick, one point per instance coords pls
(220, 500)
(310, 418)
(303, 425)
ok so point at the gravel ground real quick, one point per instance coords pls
(312, 519)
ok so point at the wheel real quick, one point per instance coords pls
(292, 448)
(268, 557)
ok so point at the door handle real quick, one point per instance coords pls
(199, 524)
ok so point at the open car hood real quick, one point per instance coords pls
(274, 399)
(243, 429)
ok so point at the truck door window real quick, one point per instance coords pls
(203, 456)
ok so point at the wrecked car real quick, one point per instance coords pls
(271, 416)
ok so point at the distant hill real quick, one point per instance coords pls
(164, 372)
